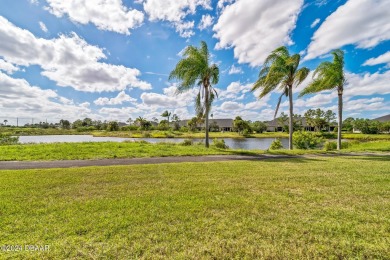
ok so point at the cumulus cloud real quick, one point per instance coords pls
(109, 15)
(235, 70)
(382, 59)
(7, 67)
(19, 99)
(255, 28)
(364, 23)
(175, 12)
(367, 84)
(59, 57)
(221, 3)
(206, 22)
(121, 98)
(43, 27)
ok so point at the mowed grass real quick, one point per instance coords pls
(330, 208)
(109, 150)
(101, 150)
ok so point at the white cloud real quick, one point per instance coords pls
(19, 99)
(366, 104)
(206, 22)
(367, 84)
(235, 70)
(255, 28)
(315, 22)
(7, 67)
(110, 15)
(231, 105)
(59, 57)
(235, 91)
(175, 12)
(221, 3)
(43, 27)
(382, 59)
(364, 23)
(121, 98)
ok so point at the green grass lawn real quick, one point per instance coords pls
(330, 208)
(108, 150)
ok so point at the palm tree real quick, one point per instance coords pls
(280, 71)
(5, 122)
(195, 70)
(330, 76)
(167, 115)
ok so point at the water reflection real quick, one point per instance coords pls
(234, 143)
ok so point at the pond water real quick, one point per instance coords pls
(234, 143)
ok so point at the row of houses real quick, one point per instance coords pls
(226, 125)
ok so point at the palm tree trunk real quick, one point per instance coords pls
(290, 128)
(340, 120)
(207, 117)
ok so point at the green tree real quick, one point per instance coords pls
(259, 126)
(348, 124)
(175, 120)
(113, 126)
(280, 71)
(195, 70)
(167, 115)
(65, 124)
(282, 121)
(329, 76)
(241, 125)
(330, 116)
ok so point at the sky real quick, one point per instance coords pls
(110, 59)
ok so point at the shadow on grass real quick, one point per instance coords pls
(382, 158)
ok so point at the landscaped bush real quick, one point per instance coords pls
(183, 129)
(8, 140)
(306, 140)
(220, 144)
(332, 145)
(276, 145)
(187, 142)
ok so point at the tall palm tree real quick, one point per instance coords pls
(330, 76)
(280, 71)
(194, 70)
(167, 115)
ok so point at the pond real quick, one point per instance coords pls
(234, 143)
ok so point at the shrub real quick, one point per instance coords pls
(146, 135)
(85, 128)
(220, 144)
(306, 140)
(183, 129)
(187, 142)
(8, 140)
(246, 133)
(332, 145)
(276, 145)
(169, 135)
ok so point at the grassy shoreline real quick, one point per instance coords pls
(306, 208)
(174, 134)
(109, 150)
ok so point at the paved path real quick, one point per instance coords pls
(16, 165)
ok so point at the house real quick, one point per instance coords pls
(225, 125)
(383, 118)
(275, 126)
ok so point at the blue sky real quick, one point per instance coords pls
(110, 59)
